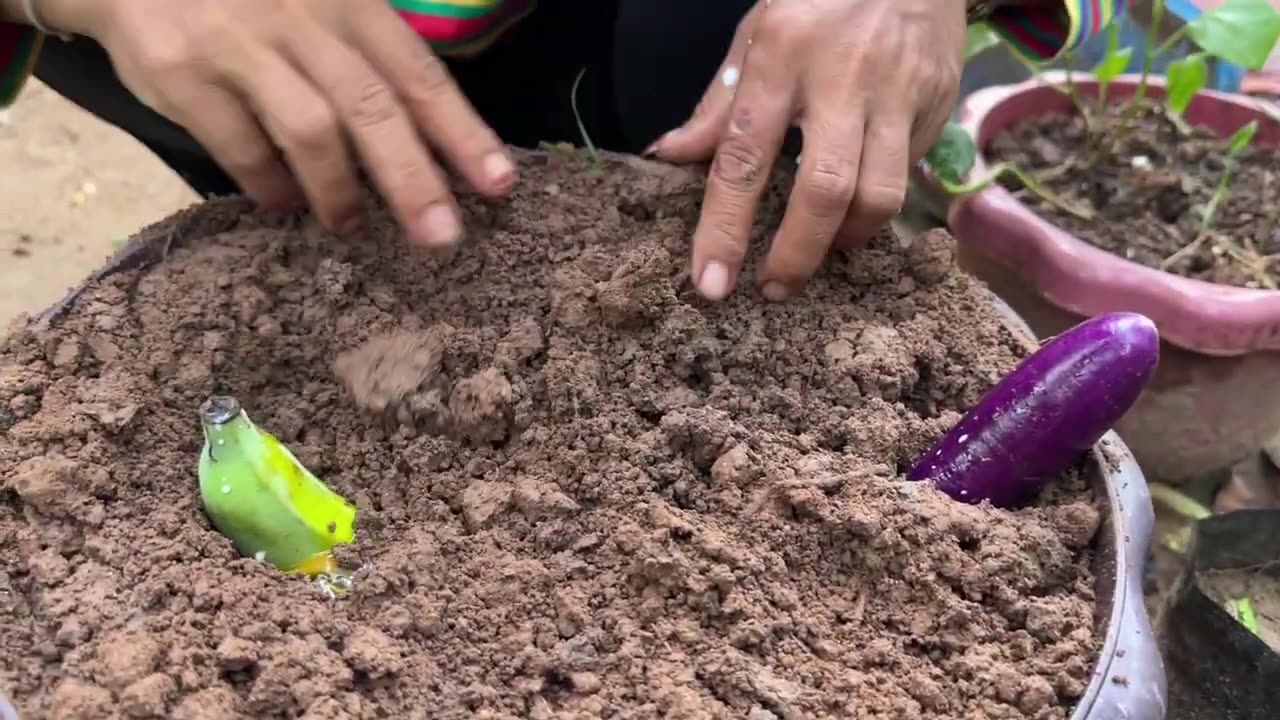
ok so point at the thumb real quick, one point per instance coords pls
(698, 137)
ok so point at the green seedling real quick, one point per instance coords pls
(257, 494)
(979, 38)
(1243, 610)
(953, 155)
(577, 117)
(1241, 32)
(1113, 62)
(1184, 505)
(1236, 145)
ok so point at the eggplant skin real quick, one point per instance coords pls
(1035, 423)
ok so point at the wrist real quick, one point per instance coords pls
(57, 16)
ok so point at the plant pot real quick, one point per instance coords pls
(1128, 677)
(1216, 394)
(1218, 668)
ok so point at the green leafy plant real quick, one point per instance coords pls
(1241, 32)
(978, 38)
(953, 156)
(1236, 145)
(1113, 62)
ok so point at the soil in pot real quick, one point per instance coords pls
(583, 491)
(1147, 185)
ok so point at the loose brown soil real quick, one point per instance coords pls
(1146, 189)
(583, 492)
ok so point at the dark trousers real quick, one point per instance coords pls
(647, 63)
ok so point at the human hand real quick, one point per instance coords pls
(283, 94)
(870, 83)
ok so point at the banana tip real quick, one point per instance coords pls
(219, 409)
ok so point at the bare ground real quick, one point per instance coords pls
(71, 187)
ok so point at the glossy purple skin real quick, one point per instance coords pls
(1041, 417)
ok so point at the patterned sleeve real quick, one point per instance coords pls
(19, 46)
(460, 28)
(452, 27)
(1043, 31)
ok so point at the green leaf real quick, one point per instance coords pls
(1112, 65)
(953, 154)
(1185, 77)
(1242, 32)
(1241, 138)
(979, 37)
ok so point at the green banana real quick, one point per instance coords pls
(257, 494)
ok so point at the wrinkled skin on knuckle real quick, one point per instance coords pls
(311, 129)
(830, 185)
(373, 104)
(878, 200)
(432, 81)
(739, 161)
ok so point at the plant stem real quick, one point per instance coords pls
(1072, 92)
(1172, 40)
(1027, 181)
(1179, 502)
(582, 128)
(1148, 55)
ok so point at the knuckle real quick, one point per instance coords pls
(166, 57)
(373, 105)
(782, 26)
(830, 185)
(433, 79)
(250, 159)
(311, 130)
(739, 162)
(879, 201)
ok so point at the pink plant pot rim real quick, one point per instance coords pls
(1076, 276)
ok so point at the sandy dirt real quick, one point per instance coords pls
(70, 188)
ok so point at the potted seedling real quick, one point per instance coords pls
(1076, 195)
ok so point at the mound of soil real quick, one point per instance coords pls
(583, 491)
(1148, 187)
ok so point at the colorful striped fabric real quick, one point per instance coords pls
(465, 27)
(1045, 31)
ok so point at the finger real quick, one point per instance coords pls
(758, 119)
(303, 125)
(818, 204)
(393, 152)
(882, 177)
(223, 126)
(434, 101)
(696, 139)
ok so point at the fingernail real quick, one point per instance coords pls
(714, 283)
(439, 225)
(657, 144)
(499, 170)
(775, 291)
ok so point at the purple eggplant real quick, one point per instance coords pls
(1041, 417)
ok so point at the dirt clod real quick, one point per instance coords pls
(583, 491)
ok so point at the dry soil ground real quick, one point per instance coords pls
(70, 188)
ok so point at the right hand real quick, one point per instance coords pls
(281, 91)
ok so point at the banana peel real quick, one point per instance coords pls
(257, 494)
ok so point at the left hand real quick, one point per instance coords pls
(870, 83)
